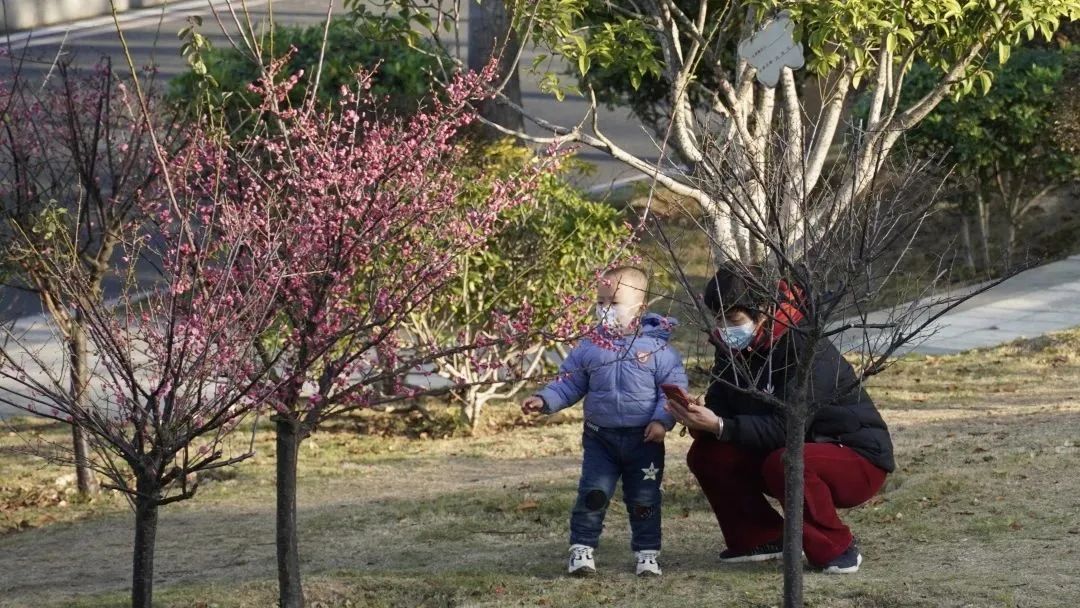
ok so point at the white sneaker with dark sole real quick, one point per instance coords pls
(647, 564)
(761, 553)
(581, 561)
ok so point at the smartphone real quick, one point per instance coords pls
(677, 394)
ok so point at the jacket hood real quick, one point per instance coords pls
(658, 326)
(786, 316)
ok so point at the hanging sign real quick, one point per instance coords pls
(773, 48)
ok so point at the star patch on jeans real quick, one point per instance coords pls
(651, 472)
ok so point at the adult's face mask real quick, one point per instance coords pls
(737, 337)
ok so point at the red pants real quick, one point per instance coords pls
(736, 479)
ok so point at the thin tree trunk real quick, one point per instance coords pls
(288, 438)
(983, 212)
(84, 476)
(965, 237)
(146, 515)
(80, 379)
(727, 243)
(757, 250)
(474, 406)
(490, 34)
(1010, 241)
(793, 504)
(470, 410)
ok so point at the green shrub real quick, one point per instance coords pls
(541, 253)
(220, 77)
(545, 249)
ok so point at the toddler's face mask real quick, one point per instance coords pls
(614, 316)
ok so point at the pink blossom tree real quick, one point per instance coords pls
(378, 230)
(290, 260)
(74, 167)
(172, 369)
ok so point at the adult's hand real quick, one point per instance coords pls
(693, 416)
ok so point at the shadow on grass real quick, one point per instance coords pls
(978, 512)
(25, 423)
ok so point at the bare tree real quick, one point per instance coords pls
(852, 281)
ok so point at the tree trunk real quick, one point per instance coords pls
(80, 379)
(146, 513)
(983, 211)
(793, 504)
(965, 237)
(472, 406)
(1010, 241)
(490, 34)
(288, 438)
(727, 242)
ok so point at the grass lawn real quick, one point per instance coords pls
(982, 511)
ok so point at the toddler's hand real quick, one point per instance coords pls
(655, 432)
(532, 405)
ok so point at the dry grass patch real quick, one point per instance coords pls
(981, 512)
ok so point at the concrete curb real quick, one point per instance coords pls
(18, 15)
(87, 18)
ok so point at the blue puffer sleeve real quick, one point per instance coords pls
(669, 370)
(571, 384)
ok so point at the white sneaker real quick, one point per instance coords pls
(647, 564)
(581, 560)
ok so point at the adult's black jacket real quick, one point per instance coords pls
(842, 415)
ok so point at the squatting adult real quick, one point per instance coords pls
(738, 448)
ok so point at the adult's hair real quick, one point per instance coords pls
(735, 286)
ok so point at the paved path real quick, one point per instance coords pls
(1041, 300)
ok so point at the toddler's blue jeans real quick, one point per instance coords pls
(611, 454)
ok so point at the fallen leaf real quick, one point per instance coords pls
(527, 505)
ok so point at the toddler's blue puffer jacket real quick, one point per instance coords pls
(620, 380)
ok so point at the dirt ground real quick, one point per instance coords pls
(983, 511)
